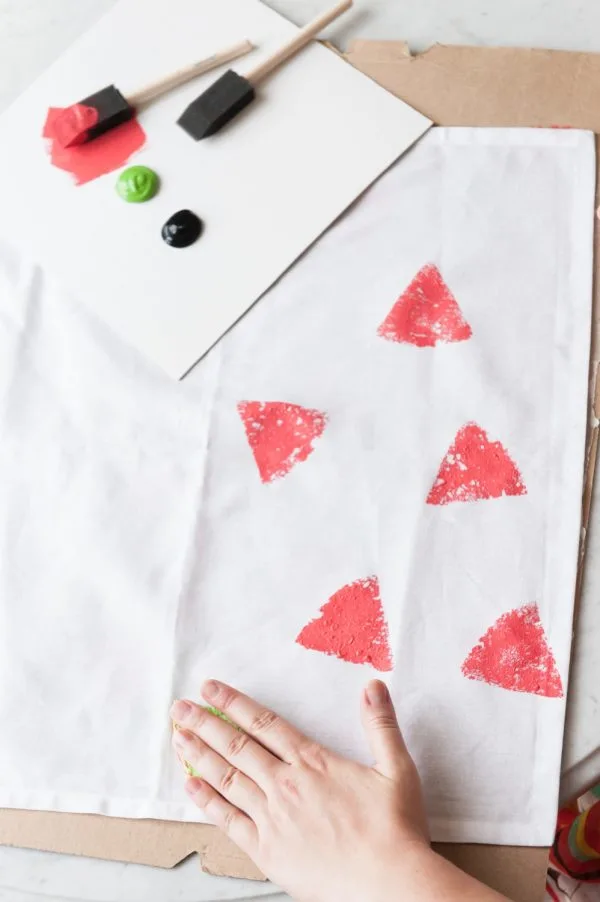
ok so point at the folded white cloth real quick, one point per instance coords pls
(395, 433)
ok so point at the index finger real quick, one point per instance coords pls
(273, 732)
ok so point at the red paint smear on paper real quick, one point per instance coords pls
(352, 626)
(72, 125)
(514, 655)
(280, 435)
(475, 469)
(426, 313)
(98, 157)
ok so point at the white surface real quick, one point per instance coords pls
(32, 34)
(133, 519)
(27, 876)
(257, 219)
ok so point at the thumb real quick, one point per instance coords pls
(382, 730)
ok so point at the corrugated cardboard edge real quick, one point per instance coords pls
(453, 86)
(158, 843)
(487, 86)
(165, 845)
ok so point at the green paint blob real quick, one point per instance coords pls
(137, 184)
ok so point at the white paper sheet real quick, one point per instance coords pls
(266, 187)
(142, 551)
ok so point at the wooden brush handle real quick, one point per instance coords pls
(304, 36)
(160, 87)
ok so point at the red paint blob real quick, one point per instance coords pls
(98, 157)
(352, 626)
(475, 469)
(514, 655)
(426, 313)
(280, 435)
(72, 125)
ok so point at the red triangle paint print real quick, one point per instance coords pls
(352, 626)
(280, 435)
(514, 654)
(475, 469)
(426, 314)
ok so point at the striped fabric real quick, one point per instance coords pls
(575, 853)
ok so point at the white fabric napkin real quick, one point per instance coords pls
(395, 434)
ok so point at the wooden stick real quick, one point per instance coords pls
(304, 36)
(157, 88)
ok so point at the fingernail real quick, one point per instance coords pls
(181, 738)
(180, 709)
(193, 786)
(377, 693)
(210, 689)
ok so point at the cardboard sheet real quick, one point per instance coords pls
(257, 220)
(456, 86)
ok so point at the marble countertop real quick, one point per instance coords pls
(32, 34)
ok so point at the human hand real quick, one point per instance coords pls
(317, 824)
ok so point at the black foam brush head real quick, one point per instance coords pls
(217, 106)
(92, 117)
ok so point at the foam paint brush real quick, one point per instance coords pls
(232, 92)
(108, 108)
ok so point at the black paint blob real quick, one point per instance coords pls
(182, 229)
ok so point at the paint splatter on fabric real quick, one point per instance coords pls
(514, 654)
(352, 626)
(105, 154)
(426, 314)
(280, 435)
(475, 469)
